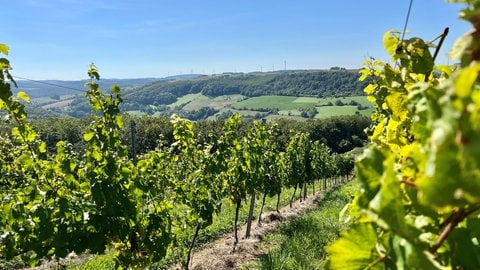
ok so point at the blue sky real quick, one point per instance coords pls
(57, 39)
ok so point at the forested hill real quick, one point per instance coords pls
(317, 83)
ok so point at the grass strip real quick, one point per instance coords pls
(300, 243)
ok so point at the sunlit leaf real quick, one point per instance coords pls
(465, 80)
(4, 49)
(87, 136)
(22, 95)
(356, 249)
(390, 42)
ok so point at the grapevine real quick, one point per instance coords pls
(145, 208)
(419, 203)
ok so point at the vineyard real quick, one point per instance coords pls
(144, 207)
(418, 206)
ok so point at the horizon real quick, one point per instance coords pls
(58, 39)
(17, 78)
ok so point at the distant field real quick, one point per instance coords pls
(346, 100)
(291, 103)
(48, 100)
(58, 104)
(217, 103)
(307, 100)
(282, 103)
(288, 107)
(185, 99)
(328, 111)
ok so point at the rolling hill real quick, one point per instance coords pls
(298, 93)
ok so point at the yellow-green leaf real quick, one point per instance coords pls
(465, 80)
(355, 249)
(397, 103)
(390, 42)
(42, 147)
(88, 136)
(23, 96)
(4, 48)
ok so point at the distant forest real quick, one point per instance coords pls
(324, 83)
(341, 134)
(158, 95)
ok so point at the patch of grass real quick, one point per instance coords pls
(292, 106)
(104, 262)
(329, 111)
(197, 101)
(15, 263)
(345, 100)
(290, 112)
(230, 98)
(185, 99)
(273, 102)
(300, 243)
(306, 100)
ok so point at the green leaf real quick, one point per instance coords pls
(4, 49)
(23, 96)
(465, 80)
(421, 59)
(404, 255)
(439, 186)
(390, 42)
(466, 252)
(388, 204)
(87, 136)
(397, 102)
(42, 147)
(356, 249)
(369, 171)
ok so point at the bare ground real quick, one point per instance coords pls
(220, 254)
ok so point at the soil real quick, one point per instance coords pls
(220, 254)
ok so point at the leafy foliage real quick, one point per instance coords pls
(419, 204)
(56, 200)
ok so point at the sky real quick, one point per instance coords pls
(58, 39)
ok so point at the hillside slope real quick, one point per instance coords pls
(317, 83)
(201, 96)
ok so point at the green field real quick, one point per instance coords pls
(273, 102)
(328, 111)
(292, 106)
(287, 106)
(185, 99)
(217, 103)
(291, 103)
(47, 100)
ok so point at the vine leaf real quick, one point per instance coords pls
(4, 48)
(390, 42)
(407, 255)
(23, 96)
(356, 249)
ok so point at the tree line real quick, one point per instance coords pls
(340, 133)
(320, 83)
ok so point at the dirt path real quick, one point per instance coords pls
(219, 254)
